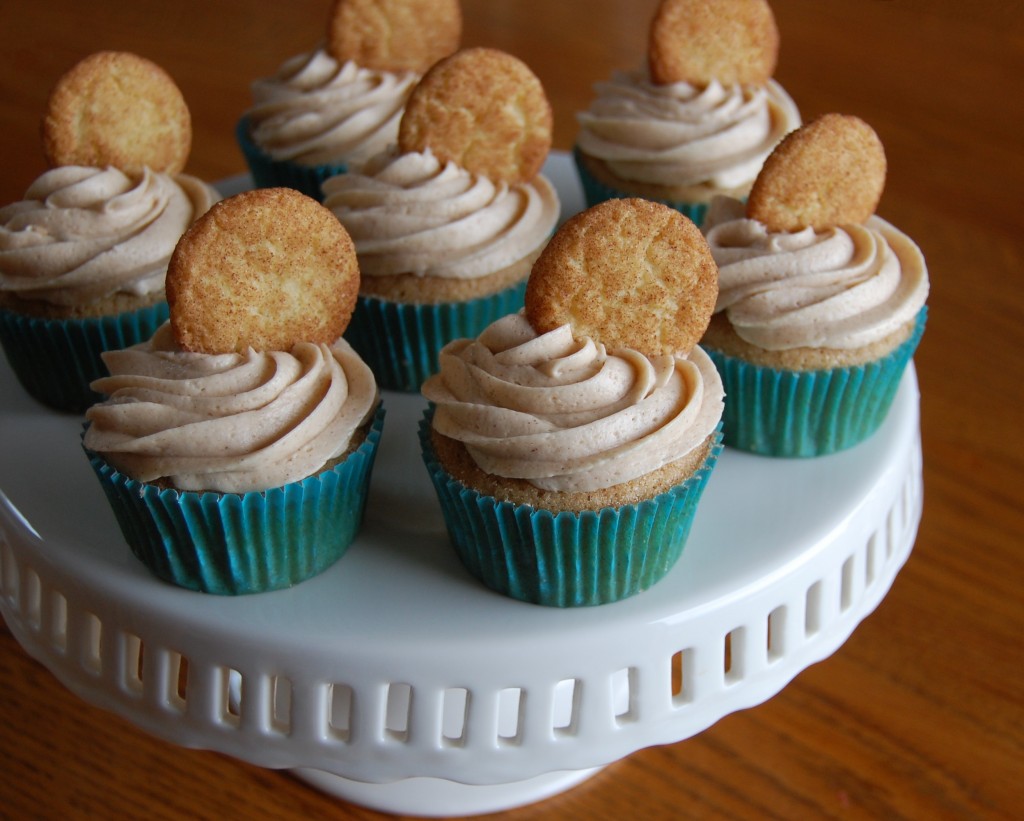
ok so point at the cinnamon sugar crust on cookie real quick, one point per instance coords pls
(264, 269)
(629, 273)
(484, 110)
(117, 108)
(828, 172)
(394, 35)
(697, 41)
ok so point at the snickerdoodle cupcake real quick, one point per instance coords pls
(83, 255)
(569, 443)
(448, 224)
(236, 445)
(331, 109)
(699, 119)
(821, 302)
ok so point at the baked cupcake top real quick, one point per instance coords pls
(461, 195)
(577, 392)
(249, 385)
(705, 111)
(342, 101)
(104, 219)
(806, 263)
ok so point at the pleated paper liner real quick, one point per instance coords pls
(270, 173)
(240, 543)
(401, 341)
(809, 413)
(566, 559)
(55, 360)
(595, 191)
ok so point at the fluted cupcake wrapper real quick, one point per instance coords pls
(55, 360)
(809, 413)
(595, 191)
(238, 543)
(566, 559)
(270, 173)
(401, 341)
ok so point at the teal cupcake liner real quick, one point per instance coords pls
(566, 559)
(401, 341)
(270, 173)
(809, 413)
(595, 191)
(241, 543)
(55, 360)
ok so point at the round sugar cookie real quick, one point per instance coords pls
(116, 108)
(394, 35)
(828, 172)
(264, 269)
(484, 110)
(629, 273)
(697, 41)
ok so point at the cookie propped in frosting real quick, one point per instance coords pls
(628, 273)
(484, 110)
(697, 41)
(828, 172)
(394, 35)
(119, 109)
(264, 269)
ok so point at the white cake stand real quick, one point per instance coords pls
(396, 681)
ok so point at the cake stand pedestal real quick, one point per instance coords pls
(394, 679)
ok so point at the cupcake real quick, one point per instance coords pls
(236, 444)
(83, 255)
(447, 224)
(331, 109)
(569, 443)
(821, 303)
(699, 119)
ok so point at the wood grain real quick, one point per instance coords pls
(921, 713)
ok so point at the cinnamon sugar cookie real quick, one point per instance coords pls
(116, 108)
(697, 41)
(829, 172)
(394, 35)
(484, 110)
(629, 273)
(264, 269)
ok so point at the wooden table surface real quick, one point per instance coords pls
(919, 715)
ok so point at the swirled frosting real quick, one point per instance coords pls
(564, 413)
(82, 234)
(316, 110)
(410, 213)
(680, 134)
(843, 288)
(228, 422)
